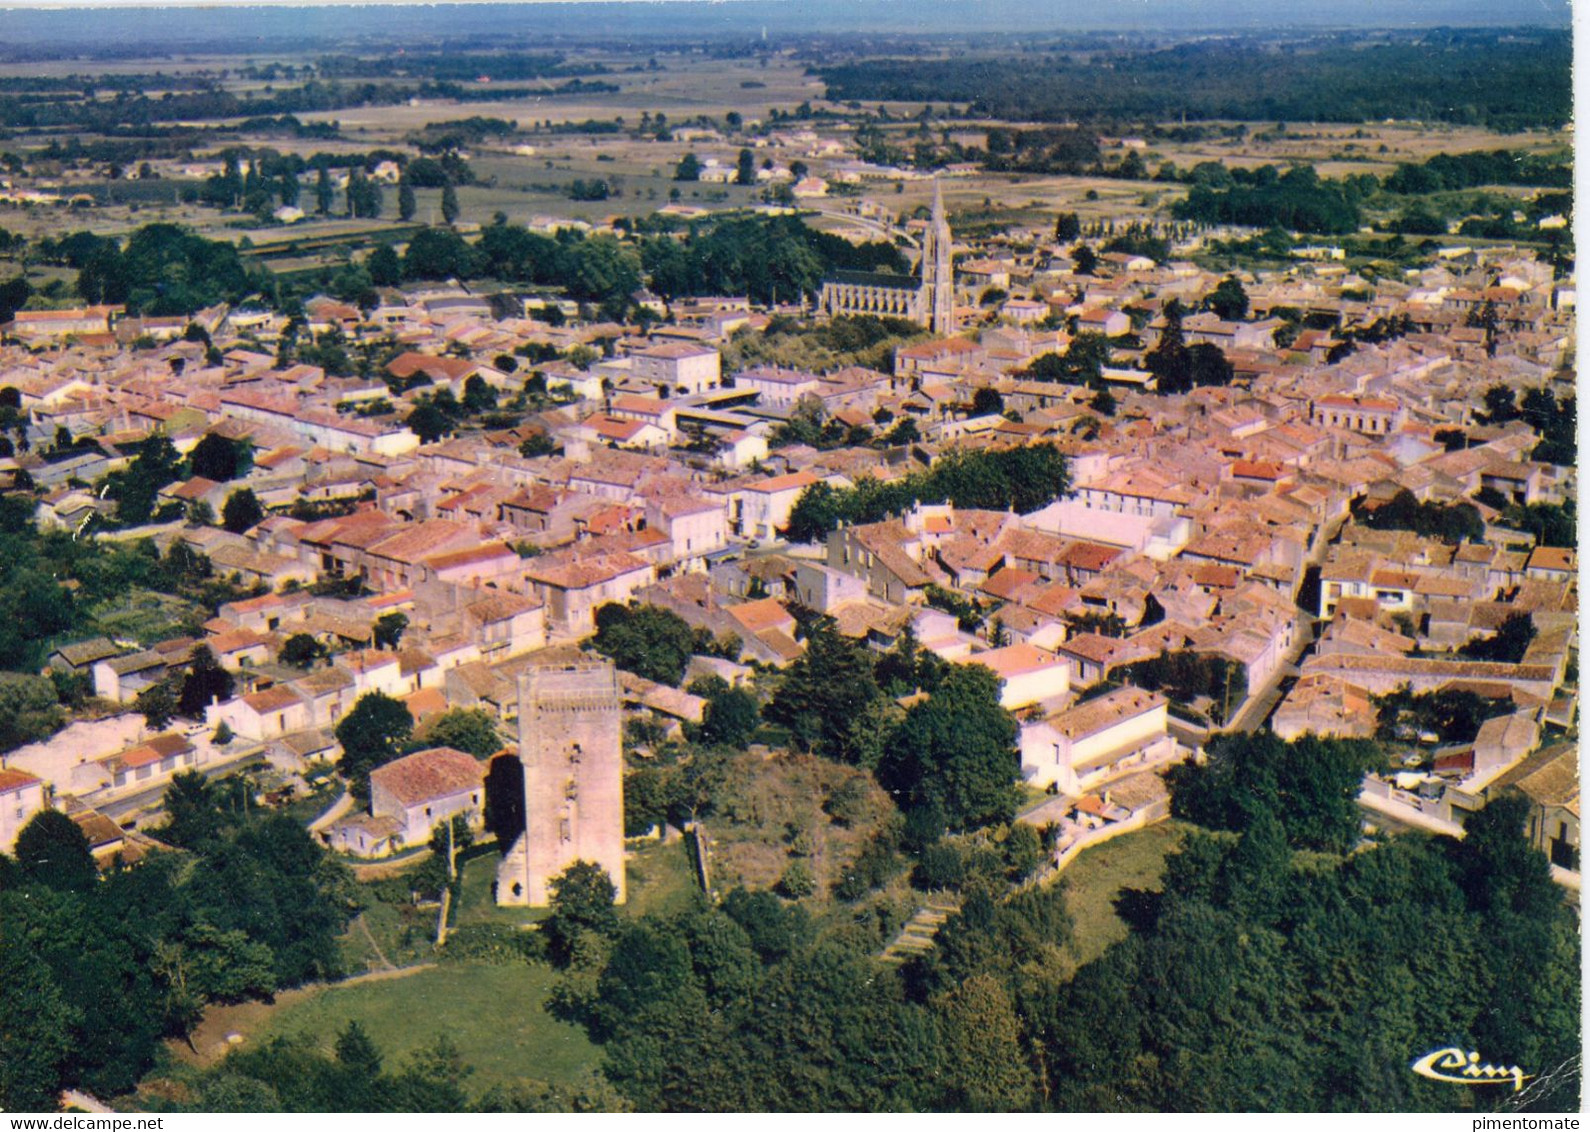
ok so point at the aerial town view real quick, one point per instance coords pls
(771, 556)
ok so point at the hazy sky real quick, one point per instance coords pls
(1091, 13)
(174, 25)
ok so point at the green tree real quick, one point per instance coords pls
(29, 709)
(433, 1081)
(384, 266)
(36, 1038)
(826, 688)
(134, 490)
(157, 704)
(985, 1066)
(688, 169)
(357, 1052)
(388, 630)
(1310, 785)
(745, 169)
(1501, 405)
(1229, 299)
(193, 811)
(301, 650)
(647, 640)
(465, 729)
(540, 444)
(219, 458)
(987, 401)
(51, 850)
(1169, 361)
(479, 396)
(650, 966)
(1508, 645)
(372, 734)
(798, 880)
(581, 898)
(449, 203)
(731, 718)
(407, 205)
(956, 751)
(323, 191)
(205, 683)
(428, 422)
(242, 511)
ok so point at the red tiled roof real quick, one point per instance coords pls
(757, 616)
(425, 775)
(1257, 470)
(15, 780)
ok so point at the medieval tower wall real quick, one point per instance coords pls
(570, 745)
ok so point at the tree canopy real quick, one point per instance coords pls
(1024, 479)
(955, 752)
(647, 640)
(1310, 784)
(372, 734)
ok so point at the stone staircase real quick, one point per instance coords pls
(919, 932)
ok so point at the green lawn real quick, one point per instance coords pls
(1098, 876)
(493, 1013)
(475, 902)
(661, 880)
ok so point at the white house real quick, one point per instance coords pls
(1090, 743)
(765, 505)
(422, 790)
(21, 796)
(684, 367)
(1027, 674)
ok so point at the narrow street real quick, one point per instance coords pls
(1256, 711)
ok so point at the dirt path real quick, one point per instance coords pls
(386, 963)
(210, 1037)
(376, 870)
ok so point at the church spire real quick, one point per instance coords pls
(938, 271)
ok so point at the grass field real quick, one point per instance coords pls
(493, 1013)
(660, 880)
(1100, 874)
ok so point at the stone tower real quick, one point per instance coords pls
(571, 750)
(938, 270)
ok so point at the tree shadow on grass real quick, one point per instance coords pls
(1139, 908)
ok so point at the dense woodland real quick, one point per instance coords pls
(1478, 77)
(1263, 934)
(164, 269)
(98, 971)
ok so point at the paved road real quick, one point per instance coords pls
(888, 231)
(128, 804)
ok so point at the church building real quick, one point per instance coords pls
(928, 299)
